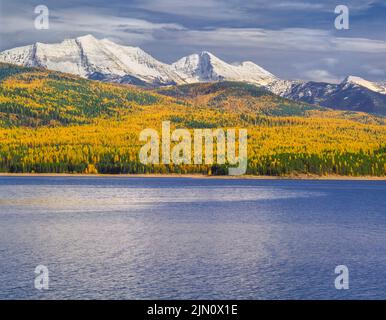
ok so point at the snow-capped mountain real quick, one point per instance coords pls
(105, 60)
(205, 67)
(96, 59)
(373, 86)
(353, 93)
(310, 92)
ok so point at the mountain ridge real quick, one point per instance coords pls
(107, 61)
(206, 67)
(353, 94)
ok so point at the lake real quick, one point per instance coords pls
(181, 238)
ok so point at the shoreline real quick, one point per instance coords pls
(198, 176)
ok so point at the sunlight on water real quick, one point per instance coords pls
(56, 198)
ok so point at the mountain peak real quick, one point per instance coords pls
(206, 67)
(196, 57)
(245, 64)
(353, 79)
(87, 37)
(89, 57)
(207, 54)
(358, 81)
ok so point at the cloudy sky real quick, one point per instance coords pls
(294, 39)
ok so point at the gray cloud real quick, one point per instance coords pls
(320, 75)
(293, 39)
(299, 39)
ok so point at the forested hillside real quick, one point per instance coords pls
(59, 123)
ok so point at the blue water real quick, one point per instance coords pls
(174, 238)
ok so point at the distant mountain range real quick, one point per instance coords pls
(354, 93)
(107, 61)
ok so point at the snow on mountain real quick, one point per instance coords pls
(373, 86)
(306, 91)
(283, 87)
(105, 60)
(205, 67)
(92, 58)
(21, 56)
(311, 90)
(353, 94)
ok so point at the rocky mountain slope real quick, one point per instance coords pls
(354, 93)
(107, 61)
(205, 67)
